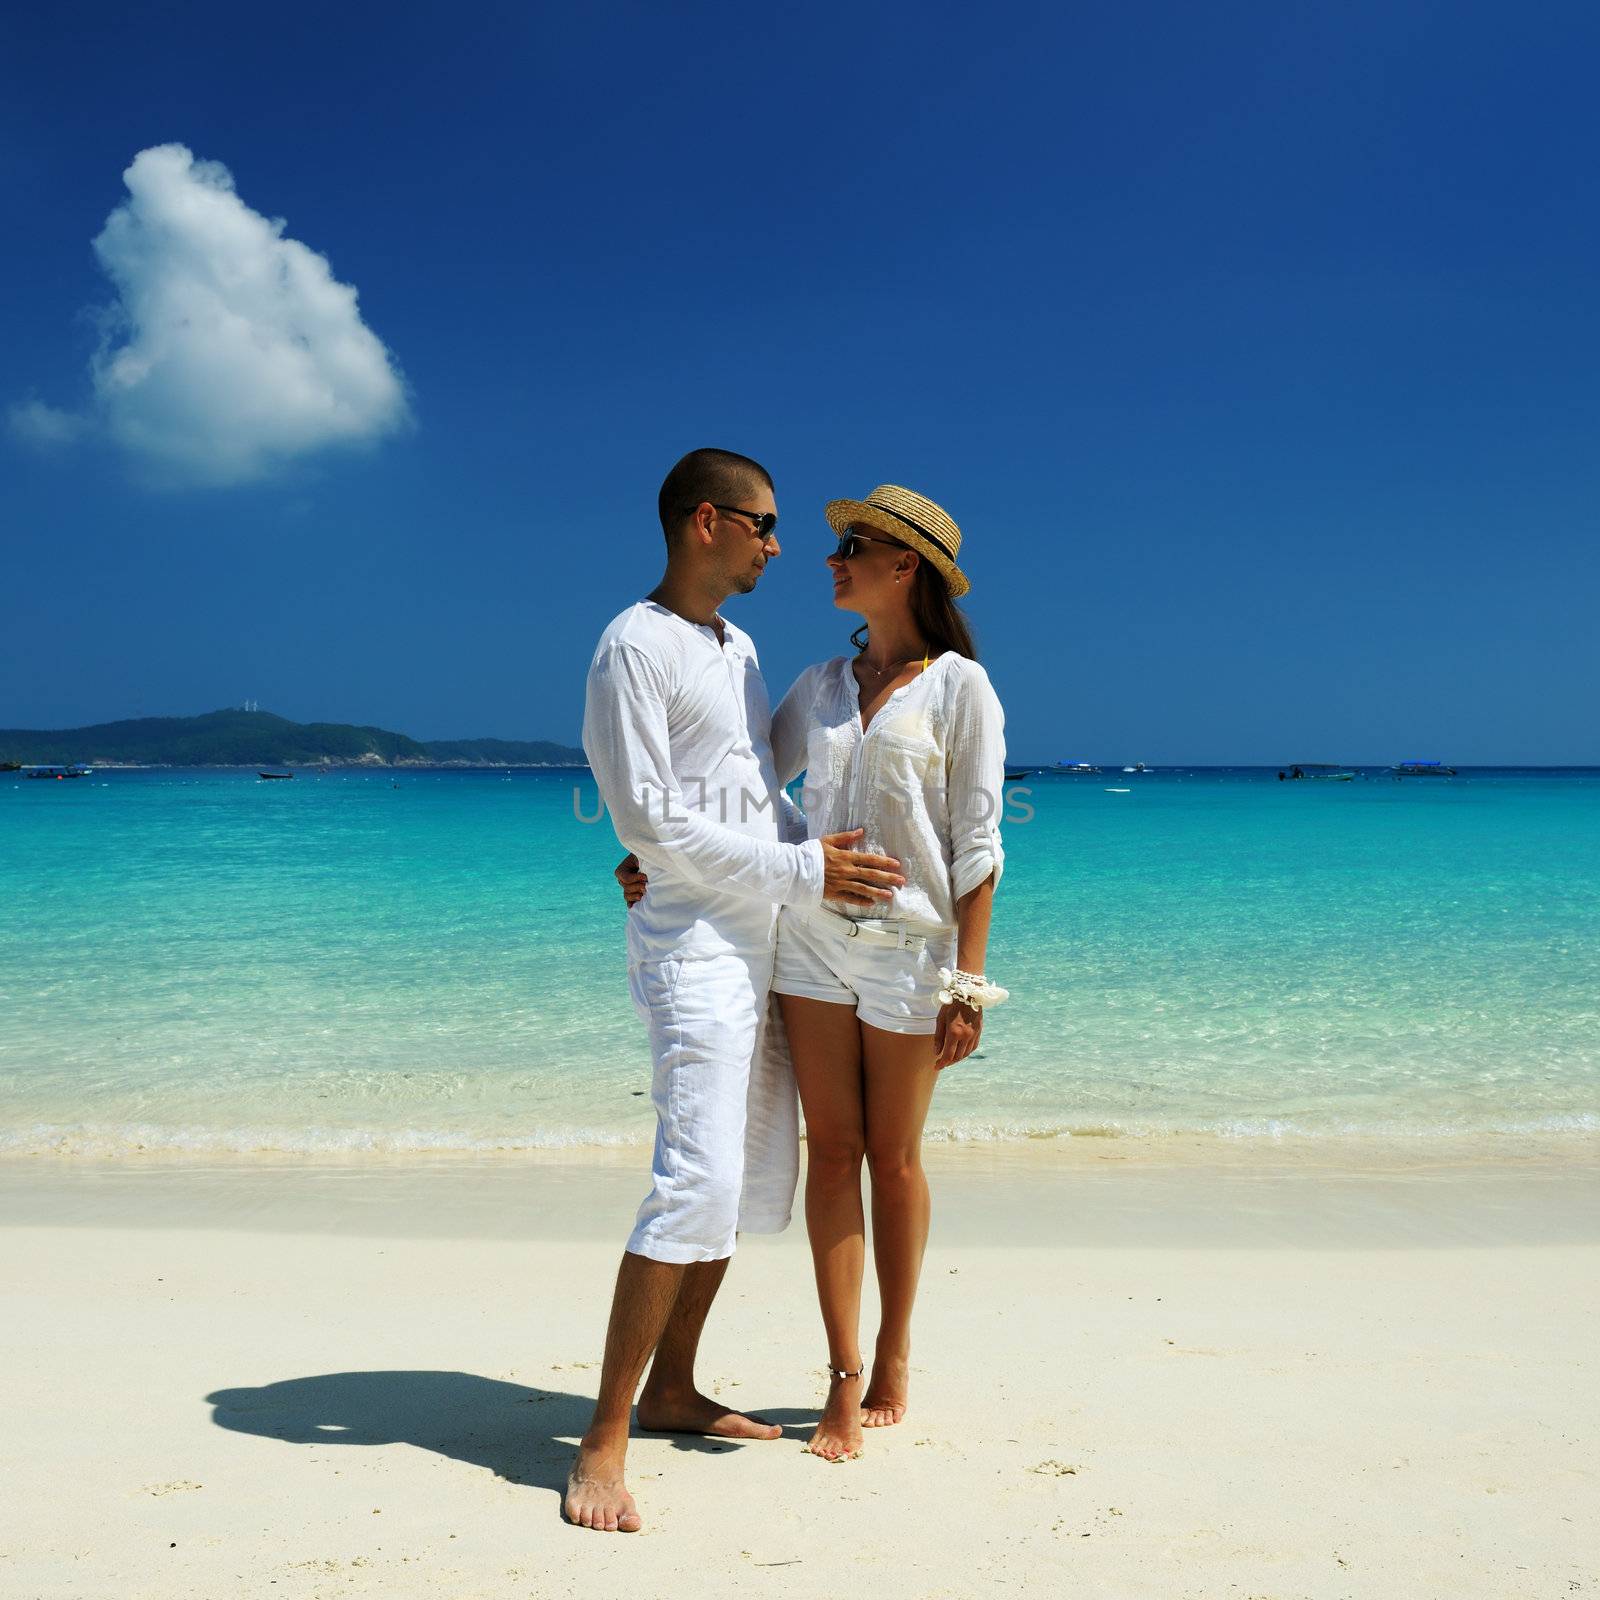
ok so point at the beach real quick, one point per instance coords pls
(1178, 1368)
(1215, 673)
(1266, 1233)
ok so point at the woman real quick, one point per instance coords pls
(903, 738)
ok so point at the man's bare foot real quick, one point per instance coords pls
(838, 1435)
(596, 1496)
(884, 1403)
(692, 1412)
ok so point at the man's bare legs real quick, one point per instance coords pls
(659, 1308)
(670, 1402)
(899, 1081)
(825, 1042)
(640, 1307)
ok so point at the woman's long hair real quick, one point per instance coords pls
(938, 618)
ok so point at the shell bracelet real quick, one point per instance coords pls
(969, 989)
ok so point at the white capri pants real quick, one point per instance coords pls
(727, 1152)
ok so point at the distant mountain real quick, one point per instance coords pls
(260, 739)
(503, 753)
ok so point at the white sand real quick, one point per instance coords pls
(1193, 1376)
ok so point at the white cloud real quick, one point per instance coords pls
(43, 425)
(230, 349)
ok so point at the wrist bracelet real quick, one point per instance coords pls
(969, 989)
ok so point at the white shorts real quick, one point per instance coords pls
(892, 989)
(727, 1151)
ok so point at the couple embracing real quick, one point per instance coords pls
(866, 917)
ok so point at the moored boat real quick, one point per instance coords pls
(1318, 769)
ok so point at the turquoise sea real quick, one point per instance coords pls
(374, 961)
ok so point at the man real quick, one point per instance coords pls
(677, 730)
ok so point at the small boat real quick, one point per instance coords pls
(1076, 766)
(1422, 769)
(1138, 766)
(1317, 769)
(76, 770)
(1012, 774)
(274, 774)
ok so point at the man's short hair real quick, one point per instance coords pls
(720, 476)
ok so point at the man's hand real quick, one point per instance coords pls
(850, 875)
(633, 879)
(955, 1034)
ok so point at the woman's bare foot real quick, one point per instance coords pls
(884, 1403)
(838, 1435)
(596, 1496)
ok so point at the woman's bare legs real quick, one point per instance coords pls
(899, 1078)
(825, 1041)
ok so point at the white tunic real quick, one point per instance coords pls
(677, 729)
(925, 780)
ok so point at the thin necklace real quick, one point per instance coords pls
(894, 666)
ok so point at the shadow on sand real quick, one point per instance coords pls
(519, 1433)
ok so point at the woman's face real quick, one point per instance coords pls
(865, 580)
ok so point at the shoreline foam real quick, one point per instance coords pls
(149, 1142)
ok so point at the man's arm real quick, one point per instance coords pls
(625, 738)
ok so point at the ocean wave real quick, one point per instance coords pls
(1265, 1129)
(111, 1140)
(114, 1140)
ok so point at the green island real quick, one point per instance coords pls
(258, 738)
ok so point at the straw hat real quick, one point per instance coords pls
(917, 523)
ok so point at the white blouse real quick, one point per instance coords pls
(925, 780)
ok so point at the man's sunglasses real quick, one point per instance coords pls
(850, 539)
(764, 522)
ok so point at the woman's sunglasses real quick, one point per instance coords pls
(849, 540)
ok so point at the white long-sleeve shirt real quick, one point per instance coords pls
(678, 731)
(925, 780)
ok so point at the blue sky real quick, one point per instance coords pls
(1254, 347)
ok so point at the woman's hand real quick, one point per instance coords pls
(955, 1034)
(633, 879)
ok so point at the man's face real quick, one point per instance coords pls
(741, 551)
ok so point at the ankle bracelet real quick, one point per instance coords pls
(839, 1372)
